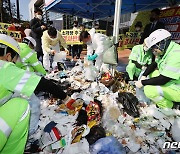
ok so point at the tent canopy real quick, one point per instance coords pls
(97, 9)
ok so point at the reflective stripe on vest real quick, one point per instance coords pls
(27, 56)
(25, 113)
(176, 50)
(5, 99)
(160, 93)
(22, 82)
(172, 69)
(35, 64)
(4, 127)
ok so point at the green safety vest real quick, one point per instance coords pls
(13, 79)
(29, 60)
(141, 57)
(169, 65)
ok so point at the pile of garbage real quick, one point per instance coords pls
(105, 117)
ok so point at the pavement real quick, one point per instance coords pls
(122, 58)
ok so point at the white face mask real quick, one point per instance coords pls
(39, 17)
(88, 43)
(138, 28)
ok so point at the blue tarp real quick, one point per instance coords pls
(97, 9)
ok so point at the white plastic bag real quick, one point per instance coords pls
(140, 92)
(90, 73)
(60, 56)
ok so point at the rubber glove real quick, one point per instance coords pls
(92, 57)
(138, 84)
(143, 78)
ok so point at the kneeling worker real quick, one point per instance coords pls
(28, 57)
(15, 112)
(139, 59)
(163, 87)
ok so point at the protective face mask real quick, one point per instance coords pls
(138, 28)
(17, 25)
(53, 39)
(145, 48)
(155, 53)
(39, 17)
(152, 19)
(89, 43)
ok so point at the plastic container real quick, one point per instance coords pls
(60, 56)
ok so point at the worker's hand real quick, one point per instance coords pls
(138, 84)
(43, 27)
(67, 51)
(144, 67)
(143, 78)
(92, 57)
(53, 52)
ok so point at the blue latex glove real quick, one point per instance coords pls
(92, 57)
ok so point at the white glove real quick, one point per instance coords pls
(138, 84)
(143, 78)
(144, 68)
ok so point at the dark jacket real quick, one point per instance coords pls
(148, 30)
(36, 30)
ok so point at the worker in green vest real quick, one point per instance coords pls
(28, 57)
(15, 112)
(139, 59)
(163, 87)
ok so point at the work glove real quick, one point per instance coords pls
(92, 57)
(143, 78)
(138, 84)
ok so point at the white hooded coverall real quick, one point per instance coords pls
(100, 43)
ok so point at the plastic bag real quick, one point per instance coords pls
(58, 57)
(129, 102)
(95, 134)
(90, 73)
(110, 56)
(140, 92)
(108, 145)
(34, 103)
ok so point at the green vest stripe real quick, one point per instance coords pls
(4, 127)
(22, 82)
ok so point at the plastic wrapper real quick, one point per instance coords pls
(129, 102)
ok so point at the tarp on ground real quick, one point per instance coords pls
(97, 9)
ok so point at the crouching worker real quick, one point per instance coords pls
(139, 59)
(163, 87)
(15, 112)
(28, 61)
(97, 44)
(28, 57)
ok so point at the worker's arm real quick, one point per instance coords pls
(50, 87)
(45, 42)
(150, 69)
(137, 64)
(62, 41)
(34, 62)
(23, 82)
(35, 26)
(17, 80)
(159, 80)
(135, 54)
(100, 45)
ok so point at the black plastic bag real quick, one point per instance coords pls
(129, 102)
(95, 134)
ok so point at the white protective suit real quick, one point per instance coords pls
(100, 43)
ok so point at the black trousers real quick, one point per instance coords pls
(76, 50)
